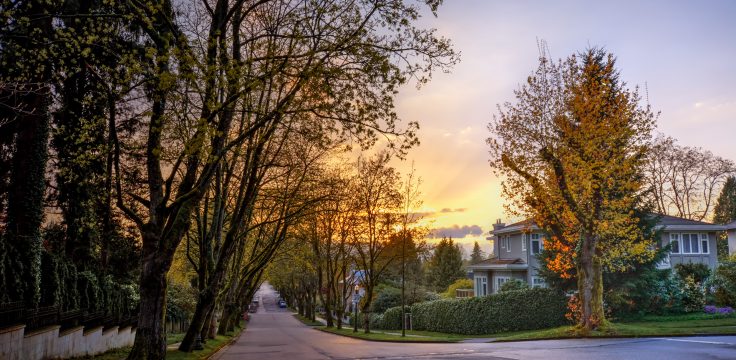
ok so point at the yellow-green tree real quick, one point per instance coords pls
(571, 151)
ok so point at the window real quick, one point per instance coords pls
(507, 243)
(538, 282)
(537, 244)
(675, 241)
(481, 285)
(684, 243)
(704, 243)
(523, 242)
(500, 281)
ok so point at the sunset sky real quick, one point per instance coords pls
(684, 52)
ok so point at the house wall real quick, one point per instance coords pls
(731, 242)
(710, 259)
(515, 248)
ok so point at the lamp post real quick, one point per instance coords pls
(356, 300)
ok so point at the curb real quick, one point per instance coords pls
(616, 337)
(217, 353)
(392, 341)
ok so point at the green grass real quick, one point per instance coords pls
(677, 325)
(391, 335)
(174, 338)
(306, 321)
(210, 348)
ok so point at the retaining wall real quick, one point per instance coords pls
(49, 343)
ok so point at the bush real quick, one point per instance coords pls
(458, 284)
(699, 272)
(514, 284)
(693, 296)
(387, 297)
(652, 292)
(724, 284)
(530, 309)
(376, 320)
(391, 319)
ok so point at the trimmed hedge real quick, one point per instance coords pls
(530, 309)
(391, 319)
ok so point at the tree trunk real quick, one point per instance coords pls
(590, 288)
(205, 304)
(150, 339)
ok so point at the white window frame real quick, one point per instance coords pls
(536, 238)
(538, 281)
(481, 285)
(507, 239)
(523, 242)
(693, 245)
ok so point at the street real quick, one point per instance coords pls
(273, 333)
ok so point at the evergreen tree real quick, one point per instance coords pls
(446, 265)
(477, 255)
(725, 212)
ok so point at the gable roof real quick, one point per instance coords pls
(667, 222)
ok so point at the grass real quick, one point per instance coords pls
(395, 336)
(210, 348)
(307, 321)
(676, 325)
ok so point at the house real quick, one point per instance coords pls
(517, 245)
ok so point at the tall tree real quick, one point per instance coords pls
(477, 255)
(684, 181)
(446, 265)
(571, 151)
(725, 212)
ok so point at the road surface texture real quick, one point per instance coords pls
(273, 333)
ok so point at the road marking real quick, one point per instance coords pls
(698, 341)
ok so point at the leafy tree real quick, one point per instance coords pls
(477, 255)
(446, 265)
(725, 212)
(458, 284)
(571, 151)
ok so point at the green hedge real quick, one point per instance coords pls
(530, 309)
(391, 319)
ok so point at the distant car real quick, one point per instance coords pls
(282, 304)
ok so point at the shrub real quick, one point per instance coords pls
(693, 296)
(458, 284)
(391, 319)
(724, 284)
(387, 297)
(699, 272)
(712, 309)
(514, 284)
(529, 309)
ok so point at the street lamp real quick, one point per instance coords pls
(356, 300)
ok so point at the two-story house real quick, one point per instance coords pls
(516, 246)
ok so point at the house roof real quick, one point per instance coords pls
(496, 263)
(667, 222)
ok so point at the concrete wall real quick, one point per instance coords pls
(49, 343)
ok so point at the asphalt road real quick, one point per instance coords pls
(273, 333)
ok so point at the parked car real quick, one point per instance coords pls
(282, 304)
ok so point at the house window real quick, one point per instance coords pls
(704, 243)
(481, 285)
(538, 282)
(523, 242)
(500, 281)
(507, 243)
(684, 243)
(537, 244)
(675, 241)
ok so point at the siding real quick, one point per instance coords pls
(710, 259)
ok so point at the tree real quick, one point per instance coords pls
(477, 255)
(684, 181)
(725, 212)
(446, 265)
(571, 151)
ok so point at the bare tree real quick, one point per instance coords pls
(685, 181)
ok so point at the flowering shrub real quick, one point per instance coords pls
(712, 309)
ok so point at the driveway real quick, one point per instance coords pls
(274, 333)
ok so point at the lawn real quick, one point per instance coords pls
(676, 325)
(306, 321)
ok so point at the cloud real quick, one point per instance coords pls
(448, 210)
(455, 231)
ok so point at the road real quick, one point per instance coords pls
(274, 333)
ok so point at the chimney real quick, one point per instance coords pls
(498, 225)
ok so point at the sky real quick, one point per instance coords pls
(681, 53)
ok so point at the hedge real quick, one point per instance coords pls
(530, 309)
(391, 319)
